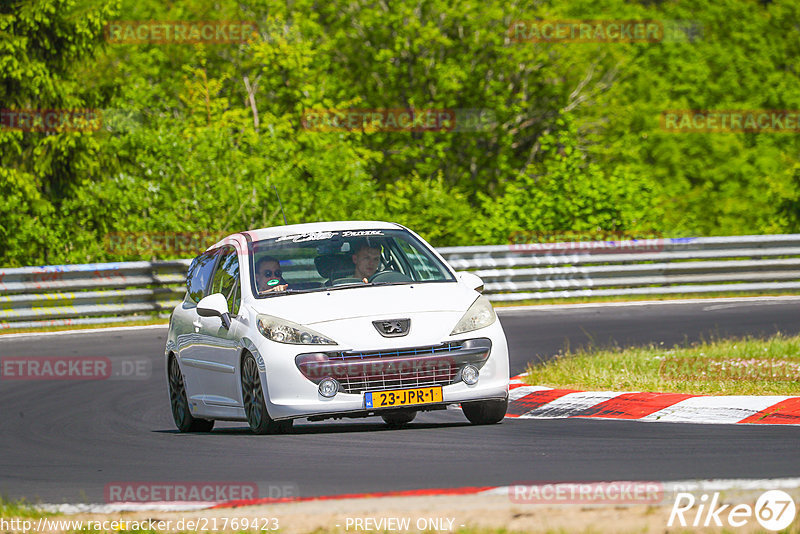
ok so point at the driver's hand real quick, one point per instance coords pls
(281, 287)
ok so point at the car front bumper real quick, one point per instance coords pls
(290, 394)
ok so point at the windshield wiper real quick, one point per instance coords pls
(287, 291)
(350, 285)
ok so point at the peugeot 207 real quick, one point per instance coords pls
(331, 320)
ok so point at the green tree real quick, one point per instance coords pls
(564, 192)
(42, 44)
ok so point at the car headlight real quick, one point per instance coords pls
(283, 331)
(479, 315)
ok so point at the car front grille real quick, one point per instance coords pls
(397, 353)
(360, 371)
(399, 369)
(441, 375)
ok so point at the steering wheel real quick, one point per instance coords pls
(390, 277)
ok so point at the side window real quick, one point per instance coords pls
(395, 260)
(200, 274)
(421, 264)
(226, 279)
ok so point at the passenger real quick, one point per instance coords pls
(268, 269)
(367, 259)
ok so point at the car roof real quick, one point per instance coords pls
(292, 229)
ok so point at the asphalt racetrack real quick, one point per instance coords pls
(65, 441)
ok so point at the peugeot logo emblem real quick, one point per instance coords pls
(392, 327)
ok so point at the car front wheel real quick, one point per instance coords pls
(486, 412)
(180, 406)
(254, 406)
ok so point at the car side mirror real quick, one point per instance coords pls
(472, 280)
(215, 306)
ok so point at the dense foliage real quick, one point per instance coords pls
(196, 137)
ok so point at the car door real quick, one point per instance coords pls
(217, 358)
(190, 343)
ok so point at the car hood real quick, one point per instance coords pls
(370, 301)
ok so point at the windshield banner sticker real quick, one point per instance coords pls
(320, 236)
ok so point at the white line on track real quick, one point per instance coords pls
(723, 301)
(672, 487)
(86, 331)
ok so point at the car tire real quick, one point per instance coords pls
(181, 413)
(487, 412)
(253, 400)
(398, 419)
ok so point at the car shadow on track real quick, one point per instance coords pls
(328, 428)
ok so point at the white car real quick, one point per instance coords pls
(331, 320)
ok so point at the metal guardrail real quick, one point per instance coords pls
(95, 293)
(636, 267)
(33, 297)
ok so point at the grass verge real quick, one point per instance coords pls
(747, 366)
(19, 508)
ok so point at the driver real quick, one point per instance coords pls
(268, 269)
(367, 258)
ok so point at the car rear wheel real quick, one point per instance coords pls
(398, 419)
(254, 406)
(486, 412)
(180, 406)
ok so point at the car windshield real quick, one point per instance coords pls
(318, 261)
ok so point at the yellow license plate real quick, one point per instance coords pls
(403, 397)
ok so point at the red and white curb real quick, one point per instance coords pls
(668, 490)
(539, 402)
